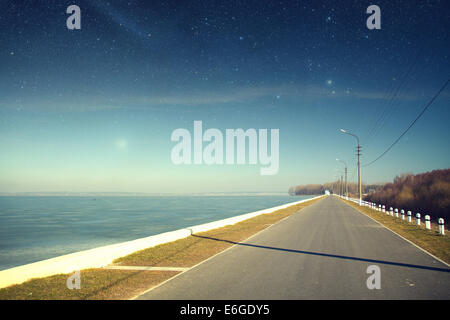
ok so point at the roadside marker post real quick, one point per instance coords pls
(441, 226)
(427, 222)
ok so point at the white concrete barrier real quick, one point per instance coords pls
(102, 256)
(396, 212)
(418, 219)
(403, 214)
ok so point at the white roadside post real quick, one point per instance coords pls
(383, 208)
(441, 226)
(418, 219)
(409, 216)
(391, 211)
(379, 207)
(403, 214)
(427, 222)
(396, 212)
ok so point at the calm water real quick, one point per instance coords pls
(37, 228)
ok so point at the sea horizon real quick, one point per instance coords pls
(139, 194)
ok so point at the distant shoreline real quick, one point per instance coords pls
(137, 194)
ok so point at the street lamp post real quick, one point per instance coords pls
(358, 150)
(346, 186)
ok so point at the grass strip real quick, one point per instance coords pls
(108, 284)
(429, 240)
(96, 284)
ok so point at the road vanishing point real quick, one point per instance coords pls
(320, 252)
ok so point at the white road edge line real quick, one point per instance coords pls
(201, 262)
(143, 268)
(415, 245)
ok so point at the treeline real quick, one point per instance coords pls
(426, 193)
(335, 187)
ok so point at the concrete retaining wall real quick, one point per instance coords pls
(102, 256)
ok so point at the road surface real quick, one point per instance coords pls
(321, 252)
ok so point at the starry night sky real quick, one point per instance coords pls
(93, 109)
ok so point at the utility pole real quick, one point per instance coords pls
(358, 152)
(346, 183)
(346, 186)
(358, 149)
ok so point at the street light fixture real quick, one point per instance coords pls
(358, 150)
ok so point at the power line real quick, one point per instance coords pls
(415, 120)
(394, 95)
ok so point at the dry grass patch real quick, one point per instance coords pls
(430, 240)
(96, 284)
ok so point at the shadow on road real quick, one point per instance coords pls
(329, 255)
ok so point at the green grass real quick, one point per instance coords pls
(430, 240)
(98, 284)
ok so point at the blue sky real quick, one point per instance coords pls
(94, 109)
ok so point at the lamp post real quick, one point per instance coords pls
(336, 186)
(346, 187)
(358, 150)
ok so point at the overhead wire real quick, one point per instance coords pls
(412, 124)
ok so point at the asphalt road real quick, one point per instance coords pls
(320, 252)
